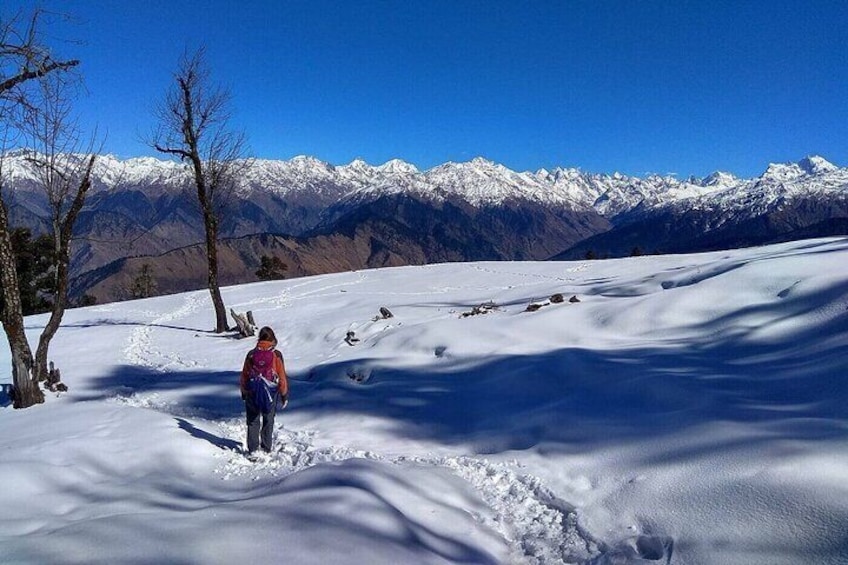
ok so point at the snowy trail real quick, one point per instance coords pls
(140, 349)
(540, 528)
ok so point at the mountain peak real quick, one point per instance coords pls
(782, 172)
(397, 166)
(358, 164)
(718, 178)
(481, 162)
(307, 160)
(812, 165)
(816, 165)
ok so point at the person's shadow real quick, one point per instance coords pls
(217, 441)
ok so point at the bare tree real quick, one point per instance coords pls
(64, 175)
(193, 125)
(24, 60)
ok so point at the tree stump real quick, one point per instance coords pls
(245, 324)
(54, 379)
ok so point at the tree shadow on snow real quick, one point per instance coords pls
(792, 387)
(5, 395)
(186, 393)
(375, 485)
(111, 322)
(390, 496)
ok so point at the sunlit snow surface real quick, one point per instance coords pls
(688, 409)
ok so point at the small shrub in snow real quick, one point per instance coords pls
(358, 374)
(385, 314)
(351, 338)
(484, 308)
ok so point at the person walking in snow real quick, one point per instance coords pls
(263, 382)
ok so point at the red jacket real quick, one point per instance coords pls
(279, 368)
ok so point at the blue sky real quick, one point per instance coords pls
(604, 85)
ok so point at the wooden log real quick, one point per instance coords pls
(245, 328)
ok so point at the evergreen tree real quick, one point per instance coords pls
(272, 268)
(144, 285)
(33, 262)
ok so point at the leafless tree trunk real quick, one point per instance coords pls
(26, 391)
(193, 125)
(64, 174)
(63, 230)
(24, 61)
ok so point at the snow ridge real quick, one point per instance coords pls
(481, 182)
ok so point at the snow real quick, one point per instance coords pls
(482, 183)
(688, 409)
(398, 167)
(815, 165)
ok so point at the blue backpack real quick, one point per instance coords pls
(263, 380)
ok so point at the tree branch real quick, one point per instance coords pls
(26, 75)
(182, 153)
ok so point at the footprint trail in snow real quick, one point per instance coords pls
(540, 528)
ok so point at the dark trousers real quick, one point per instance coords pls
(260, 427)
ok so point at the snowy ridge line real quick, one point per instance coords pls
(482, 182)
(540, 528)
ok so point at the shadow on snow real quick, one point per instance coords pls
(205, 394)
(792, 387)
(5, 395)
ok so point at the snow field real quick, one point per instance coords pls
(689, 409)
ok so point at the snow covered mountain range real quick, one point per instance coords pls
(478, 210)
(479, 182)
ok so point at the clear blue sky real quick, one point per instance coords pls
(604, 85)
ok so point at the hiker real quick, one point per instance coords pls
(263, 382)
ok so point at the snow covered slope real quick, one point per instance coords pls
(688, 409)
